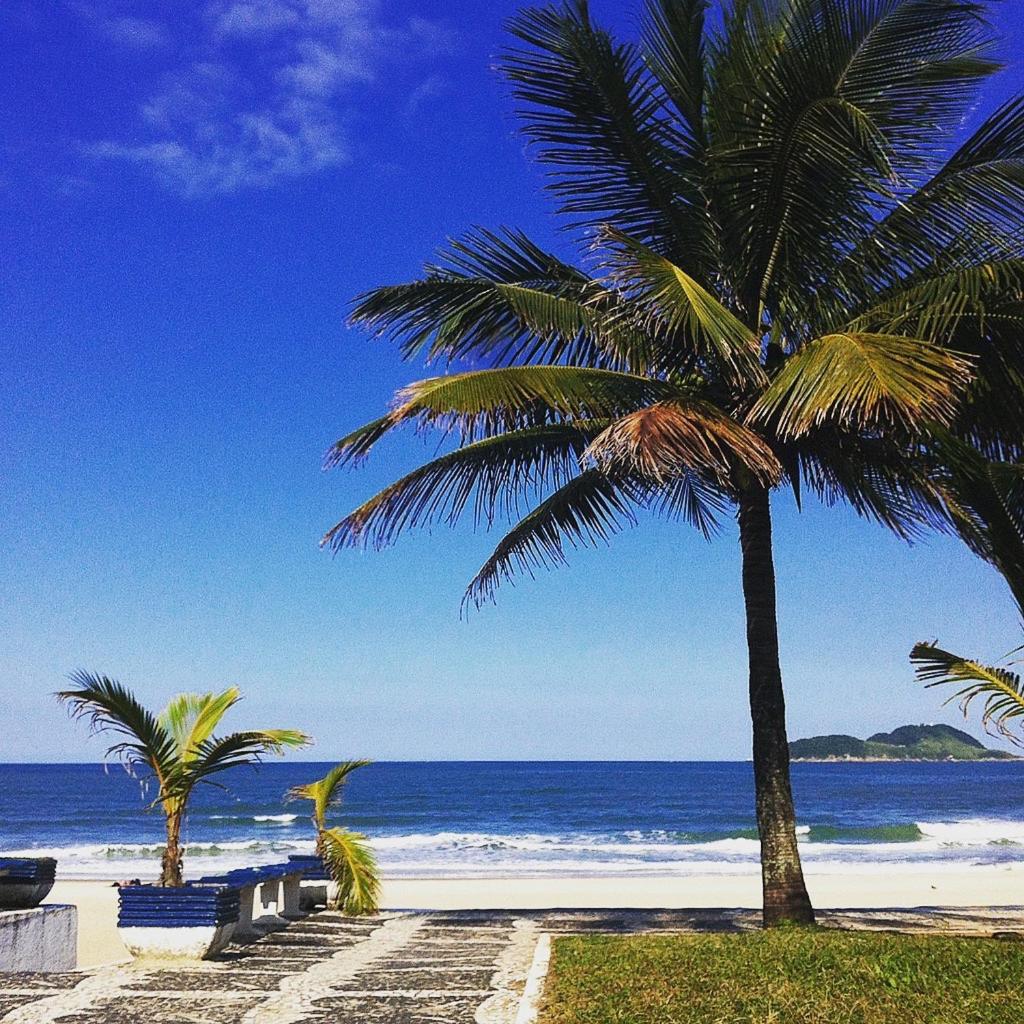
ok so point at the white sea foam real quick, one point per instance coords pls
(270, 819)
(937, 846)
(973, 831)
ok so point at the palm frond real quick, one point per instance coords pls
(218, 754)
(969, 211)
(667, 439)
(1000, 690)
(819, 110)
(673, 38)
(935, 306)
(354, 447)
(675, 304)
(192, 717)
(109, 706)
(475, 303)
(870, 381)
(694, 500)
(916, 67)
(505, 399)
(497, 473)
(600, 123)
(523, 396)
(879, 478)
(985, 501)
(352, 865)
(585, 511)
(595, 328)
(326, 792)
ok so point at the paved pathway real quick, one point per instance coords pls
(459, 967)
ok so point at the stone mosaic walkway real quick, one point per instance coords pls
(459, 967)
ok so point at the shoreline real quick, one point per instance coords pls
(986, 886)
(906, 760)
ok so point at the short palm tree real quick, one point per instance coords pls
(347, 855)
(786, 276)
(174, 750)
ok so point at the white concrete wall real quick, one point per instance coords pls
(41, 939)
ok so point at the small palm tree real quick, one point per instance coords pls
(346, 854)
(175, 749)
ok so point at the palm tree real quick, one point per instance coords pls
(346, 854)
(778, 255)
(176, 749)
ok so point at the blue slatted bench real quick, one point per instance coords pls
(192, 921)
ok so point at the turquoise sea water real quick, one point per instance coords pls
(537, 818)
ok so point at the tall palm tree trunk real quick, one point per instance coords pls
(170, 868)
(782, 879)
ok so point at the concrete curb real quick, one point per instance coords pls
(529, 1005)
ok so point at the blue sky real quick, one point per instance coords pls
(190, 194)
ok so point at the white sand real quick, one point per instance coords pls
(970, 887)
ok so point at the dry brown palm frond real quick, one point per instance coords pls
(669, 438)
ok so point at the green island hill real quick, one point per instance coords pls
(907, 743)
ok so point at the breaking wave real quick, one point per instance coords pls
(919, 845)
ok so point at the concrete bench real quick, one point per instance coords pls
(276, 886)
(316, 887)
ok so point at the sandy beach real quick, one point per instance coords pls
(98, 941)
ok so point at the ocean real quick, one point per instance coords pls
(480, 819)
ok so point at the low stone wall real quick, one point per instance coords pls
(40, 939)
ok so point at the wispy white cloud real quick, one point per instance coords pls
(266, 92)
(128, 31)
(431, 88)
(140, 33)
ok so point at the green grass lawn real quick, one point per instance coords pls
(784, 977)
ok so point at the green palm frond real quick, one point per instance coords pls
(818, 110)
(616, 341)
(1000, 690)
(109, 706)
(326, 792)
(675, 304)
(880, 479)
(674, 49)
(215, 755)
(599, 123)
(985, 501)
(872, 381)
(192, 717)
(969, 211)
(585, 511)
(474, 300)
(352, 865)
(916, 66)
(520, 396)
(668, 439)
(935, 306)
(354, 447)
(497, 473)
(505, 399)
